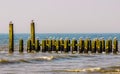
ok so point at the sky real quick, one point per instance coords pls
(61, 16)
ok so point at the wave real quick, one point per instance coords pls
(108, 70)
(40, 57)
(85, 70)
(26, 60)
(46, 57)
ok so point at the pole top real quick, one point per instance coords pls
(10, 22)
(32, 21)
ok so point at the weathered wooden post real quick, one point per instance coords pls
(29, 46)
(93, 50)
(37, 45)
(99, 46)
(90, 45)
(43, 45)
(61, 45)
(74, 45)
(69, 47)
(107, 48)
(103, 45)
(81, 45)
(66, 46)
(21, 45)
(110, 40)
(11, 38)
(49, 45)
(86, 46)
(33, 34)
(53, 45)
(57, 45)
(115, 46)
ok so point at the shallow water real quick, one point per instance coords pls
(47, 63)
(53, 63)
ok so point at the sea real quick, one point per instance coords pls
(57, 63)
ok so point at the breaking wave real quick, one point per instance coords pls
(26, 60)
(108, 70)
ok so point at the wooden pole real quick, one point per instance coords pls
(43, 45)
(57, 45)
(115, 46)
(53, 45)
(74, 45)
(21, 46)
(99, 46)
(93, 50)
(29, 46)
(49, 45)
(81, 45)
(90, 45)
(103, 45)
(86, 49)
(69, 47)
(11, 38)
(66, 46)
(61, 45)
(37, 46)
(110, 40)
(107, 48)
(33, 34)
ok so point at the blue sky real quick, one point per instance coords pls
(61, 16)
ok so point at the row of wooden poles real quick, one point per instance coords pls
(59, 45)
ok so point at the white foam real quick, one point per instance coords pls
(47, 57)
(86, 70)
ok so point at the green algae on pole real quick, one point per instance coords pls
(93, 50)
(53, 44)
(115, 46)
(61, 45)
(57, 46)
(66, 46)
(33, 34)
(110, 44)
(11, 38)
(69, 45)
(90, 45)
(74, 45)
(107, 48)
(86, 49)
(29, 46)
(37, 46)
(21, 47)
(103, 45)
(99, 46)
(81, 45)
(43, 45)
(49, 45)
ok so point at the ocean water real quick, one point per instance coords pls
(53, 63)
